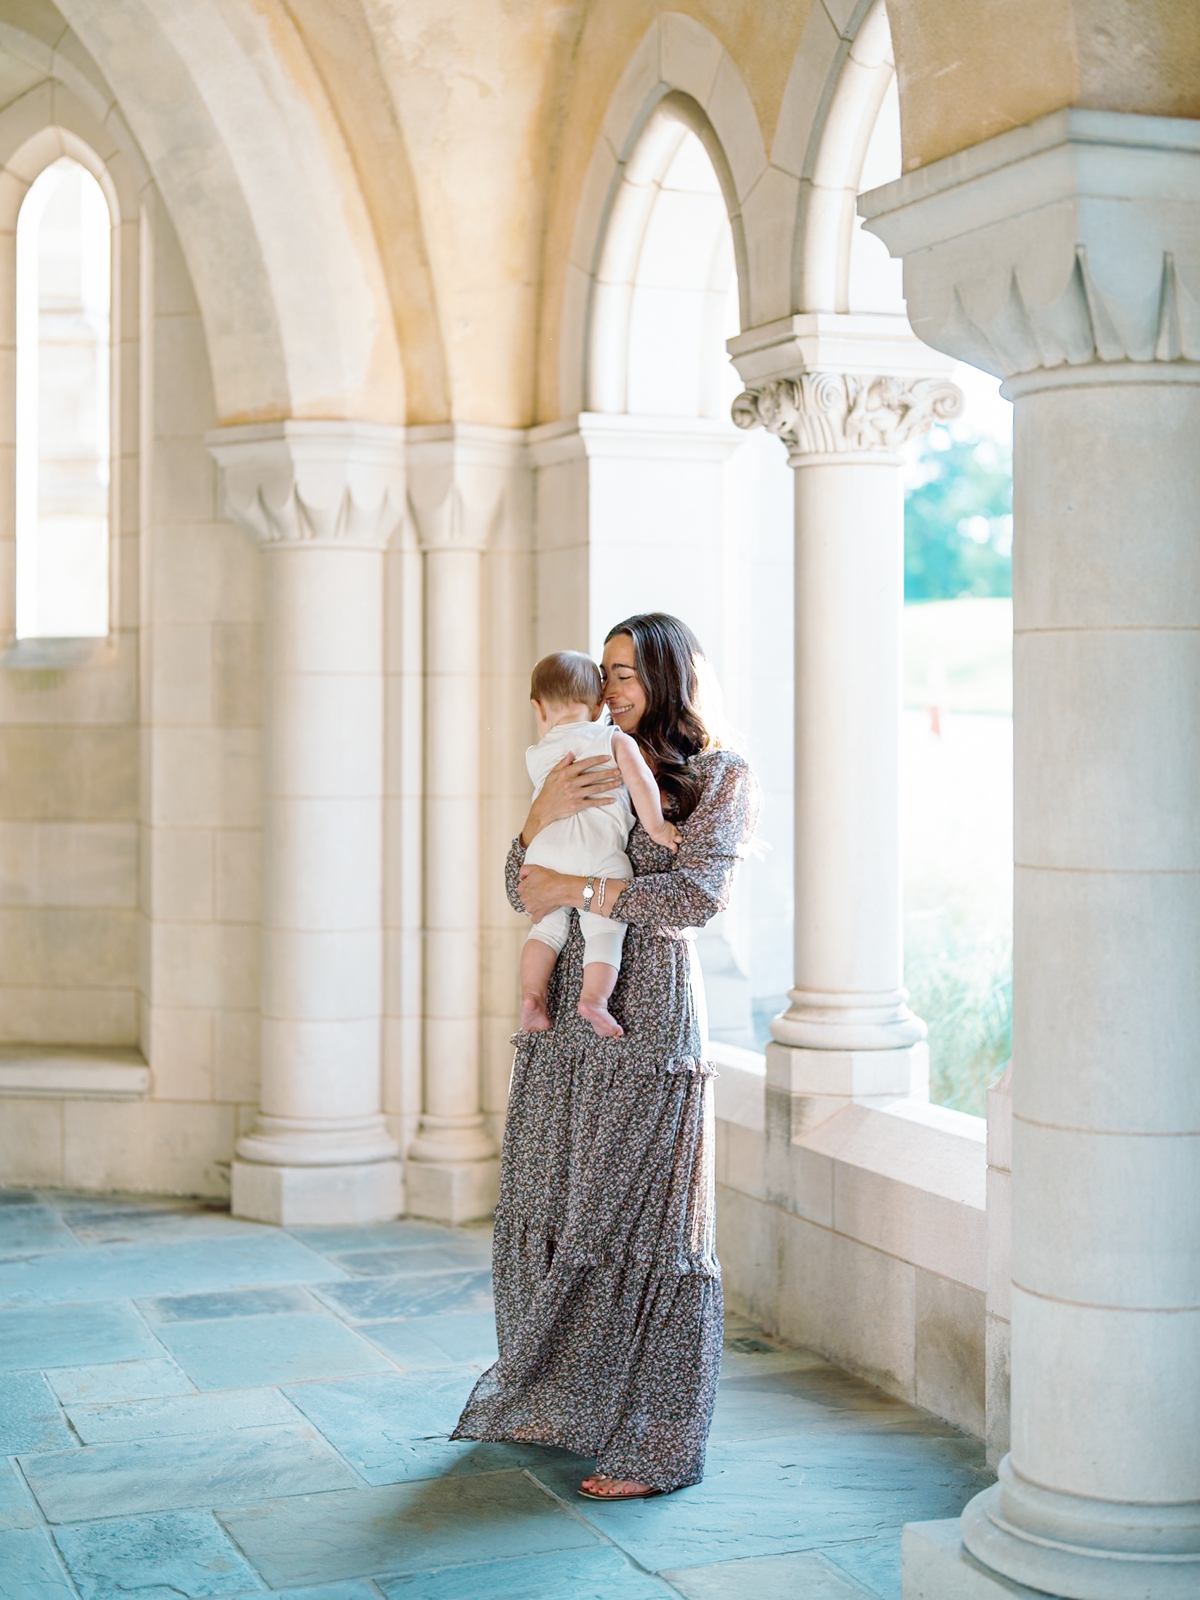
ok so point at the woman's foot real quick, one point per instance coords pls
(534, 1016)
(604, 1488)
(602, 1021)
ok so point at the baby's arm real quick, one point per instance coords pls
(643, 791)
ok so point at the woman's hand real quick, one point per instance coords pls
(570, 787)
(543, 890)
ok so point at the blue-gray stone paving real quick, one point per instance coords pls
(192, 1405)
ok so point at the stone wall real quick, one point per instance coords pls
(858, 1229)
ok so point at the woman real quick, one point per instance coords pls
(608, 1290)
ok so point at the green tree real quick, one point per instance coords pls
(958, 518)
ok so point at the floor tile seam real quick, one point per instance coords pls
(844, 1572)
(245, 1555)
(82, 1243)
(47, 1527)
(346, 1462)
(236, 1316)
(578, 1516)
(145, 1322)
(211, 1437)
(312, 1495)
(198, 1394)
(526, 1555)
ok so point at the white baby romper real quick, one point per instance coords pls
(589, 844)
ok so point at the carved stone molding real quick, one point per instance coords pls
(462, 482)
(1070, 242)
(338, 484)
(833, 413)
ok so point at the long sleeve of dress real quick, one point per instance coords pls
(695, 887)
(512, 873)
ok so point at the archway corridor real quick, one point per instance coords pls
(354, 356)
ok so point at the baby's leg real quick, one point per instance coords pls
(537, 963)
(538, 955)
(602, 941)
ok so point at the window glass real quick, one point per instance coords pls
(63, 447)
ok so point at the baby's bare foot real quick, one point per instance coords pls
(534, 1016)
(603, 1023)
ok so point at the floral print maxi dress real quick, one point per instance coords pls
(608, 1289)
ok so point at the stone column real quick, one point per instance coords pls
(322, 499)
(1065, 257)
(848, 1029)
(458, 479)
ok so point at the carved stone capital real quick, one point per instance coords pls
(834, 413)
(299, 483)
(463, 483)
(1072, 241)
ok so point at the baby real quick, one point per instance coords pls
(566, 695)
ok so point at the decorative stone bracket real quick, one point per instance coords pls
(827, 413)
(313, 483)
(1110, 271)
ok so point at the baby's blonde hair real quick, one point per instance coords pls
(566, 678)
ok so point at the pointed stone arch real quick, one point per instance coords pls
(239, 136)
(681, 61)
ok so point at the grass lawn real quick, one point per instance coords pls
(956, 793)
(972, 639)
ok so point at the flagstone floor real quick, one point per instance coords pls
(196, 1406)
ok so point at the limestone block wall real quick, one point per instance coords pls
(129, 809)
(69, 925)
(858, 1228)
(201, 775)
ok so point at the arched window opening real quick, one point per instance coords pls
(684, 291)
(63, 321)
(691, 515)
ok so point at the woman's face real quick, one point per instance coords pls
(624, 693)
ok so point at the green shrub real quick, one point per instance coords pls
(958, 517)
(959, 978)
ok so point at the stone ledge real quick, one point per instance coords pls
(738, 1087)
(72, 1072)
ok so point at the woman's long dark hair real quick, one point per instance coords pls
(672, 728)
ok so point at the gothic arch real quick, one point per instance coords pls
(680, 60)
(238, 135)
(835, 90)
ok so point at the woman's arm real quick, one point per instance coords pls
(571, 786)
(643, 791)
(712, 843)
(541, 889)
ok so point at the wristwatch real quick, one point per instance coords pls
(589, 890)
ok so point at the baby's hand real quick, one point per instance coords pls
(668, 836)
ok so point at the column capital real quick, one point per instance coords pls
(312, 483)
(1068, 242)
(846, 415)
(459, 475)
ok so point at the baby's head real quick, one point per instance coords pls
(565, 687)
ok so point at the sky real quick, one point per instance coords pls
(985, 412)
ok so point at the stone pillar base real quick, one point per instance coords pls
(936, 1566)
(458, 1191)
(859, 1074)
(295, 1197)
(818, 1084)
